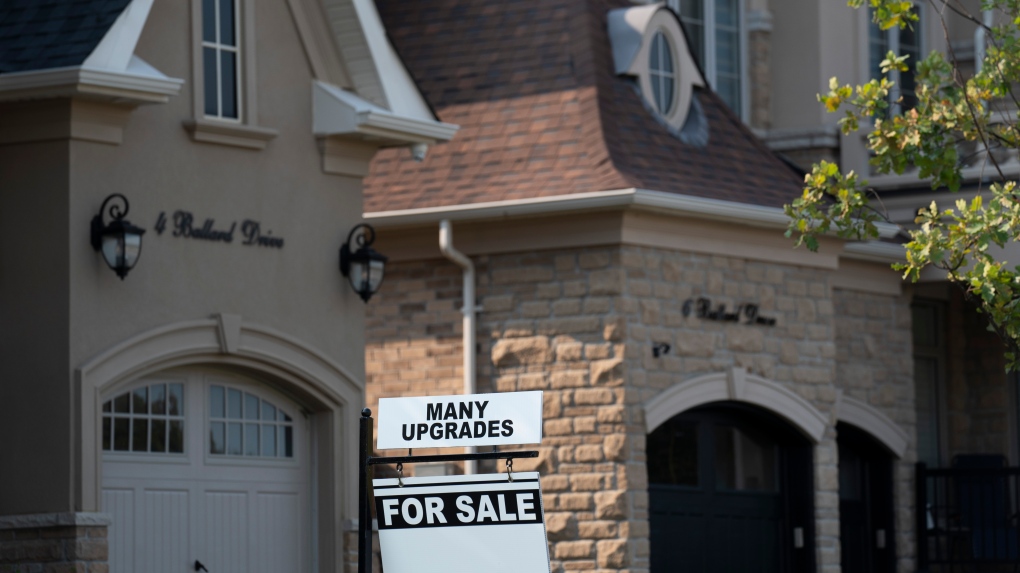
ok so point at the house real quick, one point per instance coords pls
(181, 359)
(712, 396)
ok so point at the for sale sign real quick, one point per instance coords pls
(460, 420)
(462, 524)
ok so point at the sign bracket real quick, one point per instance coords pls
(367, 460)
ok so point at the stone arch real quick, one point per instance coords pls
(333, 396)
(737, 385)
(873, 422)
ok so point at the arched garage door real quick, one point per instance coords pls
(208, 467)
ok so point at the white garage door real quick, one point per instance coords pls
(201, 467)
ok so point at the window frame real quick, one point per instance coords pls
(243, 131)
(937, 354)
(710, 66)
(892, 43)
(218, 47)
(662, 44)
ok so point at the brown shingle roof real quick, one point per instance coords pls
(531, 84)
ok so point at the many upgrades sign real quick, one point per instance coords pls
(462, 524)
(460, 420)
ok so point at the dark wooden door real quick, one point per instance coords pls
(720, 493)
(865, 503)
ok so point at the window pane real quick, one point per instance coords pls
(121, 434)
(176, 440)
(743, 462)
(251, 439)
(122, 403)
(157, 399)
(139, 435)
(268, 411)
(727, 53)
(729, 91)
(288, 442)
(234, 439)
(140, 401)
(227, 18)
(228, 75)
(107, 432)
(269, 441)
(691, 9)
(673, 454)
(251, 407)
(217, 436)
(176, 405)
(233, 404)
(285, 418)
(726, 13)
(667, 94)
(926, 401)
(657, 91)
(158, 436)
(209, 81)
(209, 20)
(108, 406)
(216, 406)
(655, 50)
(696, 39)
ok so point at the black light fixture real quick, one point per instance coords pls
(363, 267)
(119, 241)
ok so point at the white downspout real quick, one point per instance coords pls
(469, 308)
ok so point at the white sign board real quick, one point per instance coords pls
(462, 524)
(460, 420)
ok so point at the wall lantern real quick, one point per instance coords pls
(119, 241)
(363, 267)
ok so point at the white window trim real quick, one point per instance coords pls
(244, 131)
(708, 21)
(239, 59)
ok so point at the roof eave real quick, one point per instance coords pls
(644, 199)
(114, 86)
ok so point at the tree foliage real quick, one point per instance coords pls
(950, 110)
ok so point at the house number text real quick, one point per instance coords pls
(251, 232)
(744, 313)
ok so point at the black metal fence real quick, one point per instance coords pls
(968, 516)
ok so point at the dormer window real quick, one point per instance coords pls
(648, 45)
(660, 70)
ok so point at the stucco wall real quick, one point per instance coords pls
(62, 306)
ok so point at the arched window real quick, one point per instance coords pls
(661, 70)
(147, 419)
(242, 424)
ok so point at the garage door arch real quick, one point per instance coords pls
(331, 396)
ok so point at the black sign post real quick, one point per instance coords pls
(365, 479)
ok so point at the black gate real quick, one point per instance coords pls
(967, 516)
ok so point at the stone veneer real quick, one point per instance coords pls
(580, 325)
(875, 365)
(54, 543)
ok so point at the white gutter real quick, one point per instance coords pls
(875, 252)
(755, 215)
(469, 309)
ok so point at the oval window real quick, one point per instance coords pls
(661, 73)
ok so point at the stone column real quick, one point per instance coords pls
(54, 543)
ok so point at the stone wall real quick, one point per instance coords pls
(580, 325)
(54, 543)
(875, 365)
